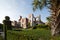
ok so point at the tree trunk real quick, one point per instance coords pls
(55, 23)
(53, 31)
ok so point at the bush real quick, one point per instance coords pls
(40, 26)
(34, 27)
(1, 38)
(1, 27)
(34, 34)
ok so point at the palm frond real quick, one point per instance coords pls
(35, 4)
(39, 4)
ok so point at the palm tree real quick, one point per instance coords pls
(54, 6)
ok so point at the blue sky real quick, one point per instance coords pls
(16, 8)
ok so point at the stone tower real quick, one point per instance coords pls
(31, 19)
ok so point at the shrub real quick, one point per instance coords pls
(1, 27)
(1, 38)
(34, 34)
(40, 26)
(34, 27)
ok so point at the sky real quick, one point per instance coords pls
(16, 8)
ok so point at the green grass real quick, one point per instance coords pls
(57, 37)
(29, 34)
(1, 38)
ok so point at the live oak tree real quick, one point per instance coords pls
(6, 25)
(54, 6)
(7, 22)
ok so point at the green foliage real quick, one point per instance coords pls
(7, 18)
(27, 34)
(57, 37)
(29, 25)
(40, 26)
(1, 38)
(49, 18)
(35, 27)
(7, 22)
(35, 4)
(1, 27)
(39, 4)
(43, 26)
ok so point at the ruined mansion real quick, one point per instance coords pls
(28, 22)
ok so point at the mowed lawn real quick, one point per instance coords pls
(29, 34)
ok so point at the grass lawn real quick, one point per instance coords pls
(1, 38)
(57, 37)
(29, 34)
